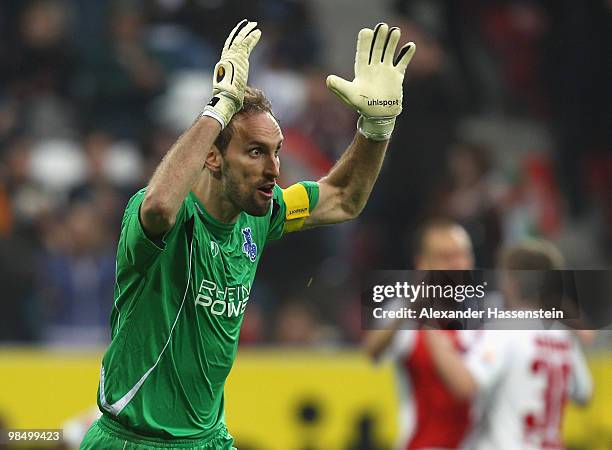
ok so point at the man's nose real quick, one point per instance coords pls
(272, 167)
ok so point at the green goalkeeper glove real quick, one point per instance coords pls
(231, 73)
(376, 91)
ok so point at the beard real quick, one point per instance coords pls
(241, 195)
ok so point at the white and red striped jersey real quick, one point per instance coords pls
(525, 378)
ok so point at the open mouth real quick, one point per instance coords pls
(266, 189)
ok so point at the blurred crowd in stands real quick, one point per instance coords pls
(507, 128)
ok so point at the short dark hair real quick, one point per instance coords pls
(255, 101)
(533, 265)
(531, 255)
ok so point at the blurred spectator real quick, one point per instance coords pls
(325, 121)
(468, 197)
(297, 324)
(293, 38)
(120, 77)
(430, 416)
(78, 277)
(115, 170)
(253, 325)
(38, 68)
(287, 90)
(28, 200)
(41, 60)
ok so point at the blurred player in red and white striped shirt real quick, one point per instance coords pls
(431, 417)
(521, 379)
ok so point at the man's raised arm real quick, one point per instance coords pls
(182, 165)
(376, 93)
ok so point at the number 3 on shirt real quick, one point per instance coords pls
(545, 425)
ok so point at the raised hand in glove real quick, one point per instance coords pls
(376, 91)
(231, 73)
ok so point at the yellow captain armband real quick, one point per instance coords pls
(298, 207)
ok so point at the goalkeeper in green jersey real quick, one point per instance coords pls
(191, 241)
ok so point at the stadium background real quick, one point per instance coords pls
(506, 128)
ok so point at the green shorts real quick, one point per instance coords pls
(109, 435)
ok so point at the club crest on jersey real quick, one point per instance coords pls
(249, 247)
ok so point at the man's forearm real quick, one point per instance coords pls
(176, 174)
(356, 172)
(376, 94)
(450, 366)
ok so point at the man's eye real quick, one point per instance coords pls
(255, 151)
(276, 152)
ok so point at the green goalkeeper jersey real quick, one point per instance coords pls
(179, 304)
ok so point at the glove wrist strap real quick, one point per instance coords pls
(221, 108)
(376, 128)
(210, 112)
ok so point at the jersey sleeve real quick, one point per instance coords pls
(135, 248)
(291, 207)
(488, 357)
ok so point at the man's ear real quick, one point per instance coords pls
(214, 160)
